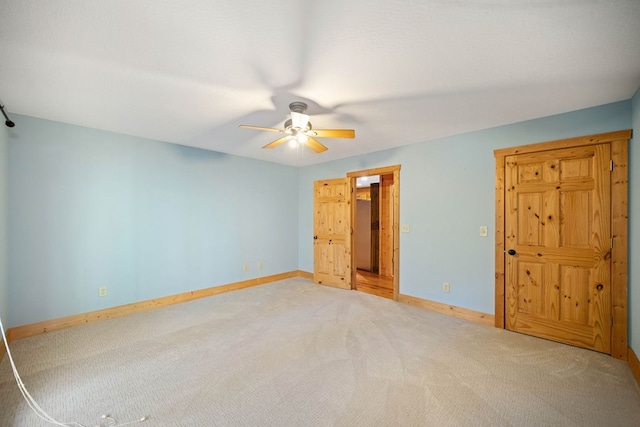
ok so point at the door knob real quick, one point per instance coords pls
(511, 252)
(315, 237)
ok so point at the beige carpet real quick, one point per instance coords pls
(292, 353)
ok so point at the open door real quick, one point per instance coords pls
(332, 232)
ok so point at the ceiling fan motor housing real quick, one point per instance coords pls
(298, 107)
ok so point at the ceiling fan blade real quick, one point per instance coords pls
(333, 133)
(261, 128)
(315, 145)
(277, 142)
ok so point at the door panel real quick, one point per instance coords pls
(557, 220)
(332, 233)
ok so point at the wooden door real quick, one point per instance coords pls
(558, 244)
(332, 233)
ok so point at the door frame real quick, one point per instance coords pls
(387, 170)
(619, 142)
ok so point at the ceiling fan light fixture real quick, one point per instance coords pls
(301, 138)
(299, 120)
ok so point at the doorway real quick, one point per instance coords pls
(375, 219)
(561, 241)
(367, 232)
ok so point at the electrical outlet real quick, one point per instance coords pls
(102, 291)
(404, 228)
(445, 287)
(260, 265)
(484, 231)
(245, 267)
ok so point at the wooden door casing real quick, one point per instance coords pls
(386, 225)
(615, 250)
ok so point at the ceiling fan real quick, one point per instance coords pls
(298, 130)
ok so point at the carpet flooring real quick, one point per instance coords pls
(291, 353)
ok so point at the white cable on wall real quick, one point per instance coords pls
(41, 413)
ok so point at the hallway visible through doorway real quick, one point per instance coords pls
(374, 284)
(371, 263)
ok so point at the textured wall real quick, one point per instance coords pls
(146, 219)
(446, 194)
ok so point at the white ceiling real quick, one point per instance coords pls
(397, 71)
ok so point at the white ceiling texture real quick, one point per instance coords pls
(397, 71)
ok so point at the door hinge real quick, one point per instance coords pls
(611, 165)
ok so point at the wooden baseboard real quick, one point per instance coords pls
(20, 332)
(451, 310)
(305, 274)
(634, 364)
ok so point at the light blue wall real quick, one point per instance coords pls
(634, 227)
(4, 274)
(146, 219)
(446, 194)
